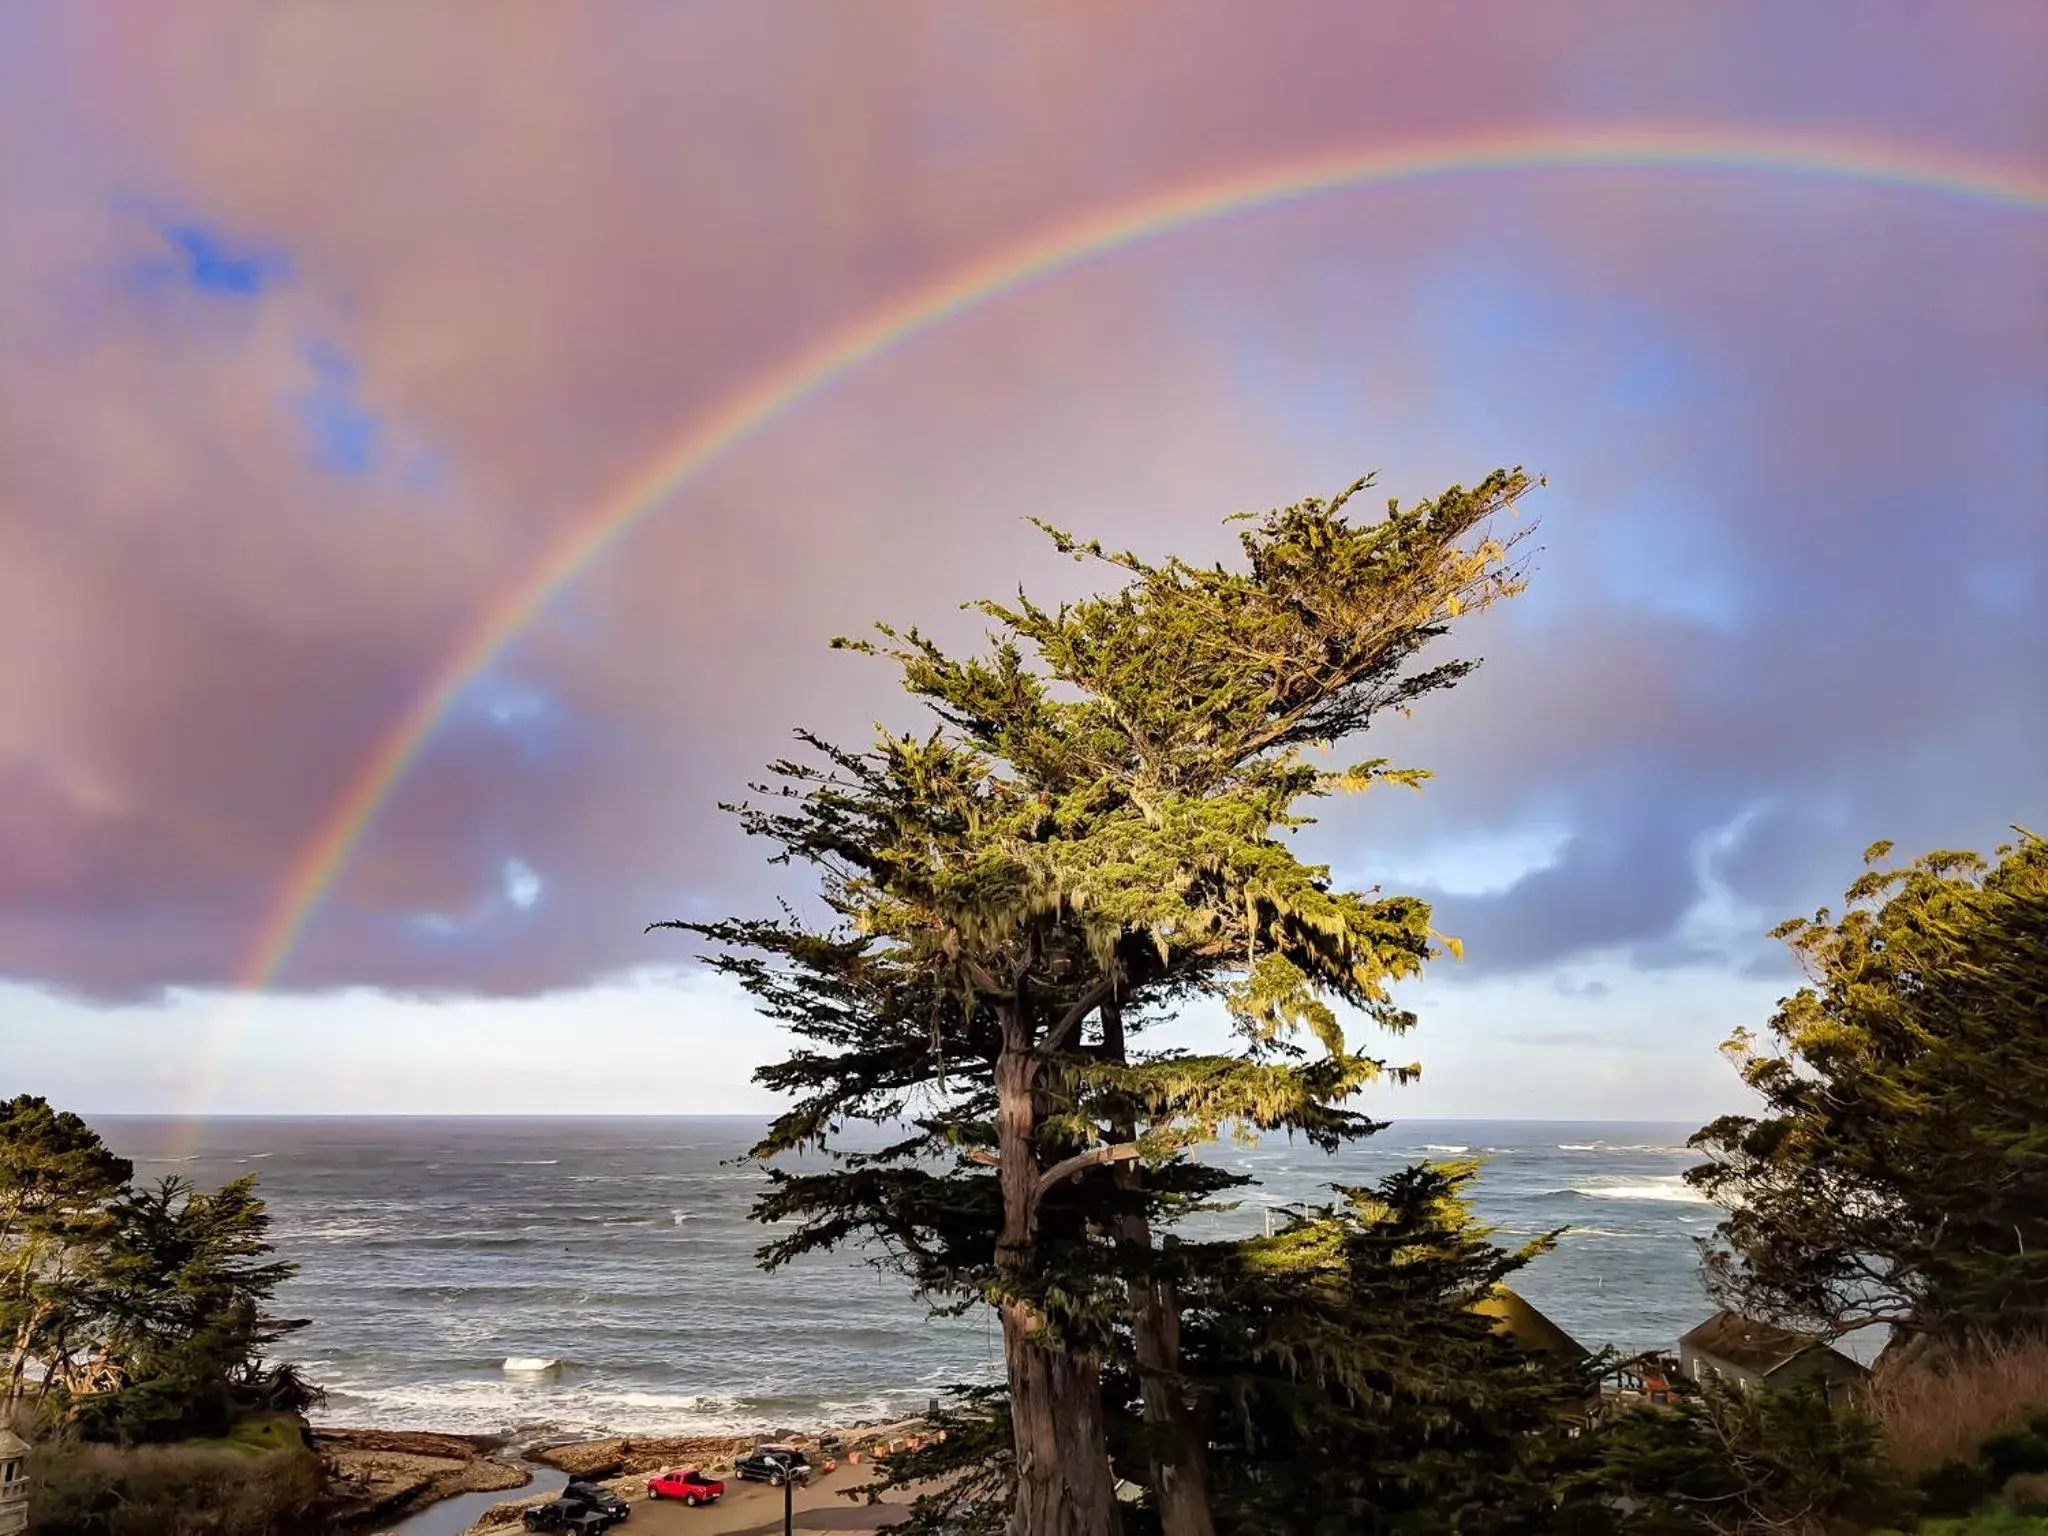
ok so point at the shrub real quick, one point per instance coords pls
(84, 1489)
(1954, 1488)
(2014, 1453)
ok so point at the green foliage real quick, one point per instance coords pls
(1955, 1488)
(144, 1306)
(2013, 1461)
(179, 1294)
(1741, 1462)
(56, 1178)
(1346, 1384)
(1900, 1174)
(1096, 826)
(1342, 1382)
(83, 1489)
(2013, 1453)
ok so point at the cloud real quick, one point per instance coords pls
(344, 438)
(1791, 433)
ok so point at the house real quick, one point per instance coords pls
(13, 1484)
(1748, 1353)
(1529, 1328)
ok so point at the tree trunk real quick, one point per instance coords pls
(1056, 1424)
(1180, 1468)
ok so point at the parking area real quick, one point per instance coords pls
(754, 1509)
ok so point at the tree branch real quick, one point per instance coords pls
(1094, 1157)
(1088, 1002)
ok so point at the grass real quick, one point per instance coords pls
(256, 1436)
(258, 1480)
(1943, 1409)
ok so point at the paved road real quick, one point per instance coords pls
(754, 1509)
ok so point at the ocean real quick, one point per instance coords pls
(536, 1277)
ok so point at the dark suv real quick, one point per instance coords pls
(603, 1500)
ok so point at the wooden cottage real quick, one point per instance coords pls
(1738, 1349)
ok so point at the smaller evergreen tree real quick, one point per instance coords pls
(1900, 1172)
(180, 1295)
(56, 1179)
(1342, 1381)
(1347, 1383)
(1732, 1463)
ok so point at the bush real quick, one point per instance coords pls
(2013, 1454)
(1954, 1488)
(83, 1489)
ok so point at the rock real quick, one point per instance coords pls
(380, 1475)
(640, 1454)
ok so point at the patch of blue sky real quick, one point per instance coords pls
(344, 436)
(205, 259)
(1577, 382)
(508, 703)
(1662, 557)
(530, 720)
(516, 889)
(1489, 862)
(521, 884)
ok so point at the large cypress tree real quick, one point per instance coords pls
(1899, 1174)
(1093, 832)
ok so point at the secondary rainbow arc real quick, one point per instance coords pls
(774, 394)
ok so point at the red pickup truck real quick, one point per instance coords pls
(687, 1484)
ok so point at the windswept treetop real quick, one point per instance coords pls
(1900, 1172)
(1126, 758)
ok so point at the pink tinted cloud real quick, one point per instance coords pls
(547, 243)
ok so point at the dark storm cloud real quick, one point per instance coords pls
(1795, 434)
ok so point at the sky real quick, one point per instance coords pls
(321, 323)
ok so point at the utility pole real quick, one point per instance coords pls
(788, 1505)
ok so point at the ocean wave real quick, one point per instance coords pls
(1669, 1186)
(529, 1365)
(528, 1162)
(533, 1406)
(1431, 1146)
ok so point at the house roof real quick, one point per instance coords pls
(12, 1444)
(1752, 1346)
(1526, 1326)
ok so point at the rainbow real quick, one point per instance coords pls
(748, 411)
